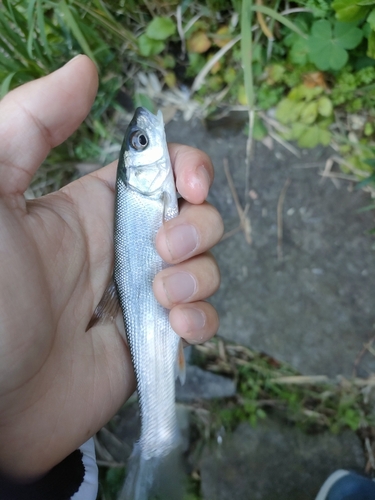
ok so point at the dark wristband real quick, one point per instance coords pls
(60, 483)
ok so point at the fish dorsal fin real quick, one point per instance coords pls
(160, 117)
(180, 363)
(108, 307)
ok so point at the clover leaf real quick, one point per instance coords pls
(327, 48)
(160, 28)
(149, 47)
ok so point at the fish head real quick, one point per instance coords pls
(144, 160)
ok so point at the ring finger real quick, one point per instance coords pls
(193, 280)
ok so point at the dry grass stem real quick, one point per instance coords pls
(313, 164)
(285, 144)
(181, 30)
(287, 12)
(192, 21)
(272, 122)
(370, 453)
(361, 354)
(338, 175)
(327, 173)
(102, 452)
(222, 353)
(301, 379)
(245, 221)
(199, 79)
(263, 24)
(350, 166)
(323, 379)
(112, 465)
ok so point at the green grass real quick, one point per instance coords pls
(176, 42)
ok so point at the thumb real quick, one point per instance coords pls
(40, 115)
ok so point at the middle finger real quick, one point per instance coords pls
(195, 230)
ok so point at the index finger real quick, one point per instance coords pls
(193, 171)
(192, 167)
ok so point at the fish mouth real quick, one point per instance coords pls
(143, 118)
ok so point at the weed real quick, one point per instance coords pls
(267, 386)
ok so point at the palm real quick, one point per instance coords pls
(69, 259)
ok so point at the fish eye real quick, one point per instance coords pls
(138, 140)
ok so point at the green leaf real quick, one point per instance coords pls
(366, 208)
(30, 15)
(160, 28)
(246, 52)
(371, 19)
(371, 45)
(297, 130)
(325, 106)
(366, 2)
(313, 136)
(9, 64)
(298, 53)
(278, 17)
(30, 37)
(349, 10)
(259, 130)
(149, 46)
(42, 31)
(288, 111)
(370, 161)
(322, 29)
(6, 84)
(74, 28)
(347, 35)
(14, 42)
(366, 182)
(309, 113)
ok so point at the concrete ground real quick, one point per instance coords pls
(314, 308)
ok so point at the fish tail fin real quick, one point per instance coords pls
(158, 475)
(140, 476)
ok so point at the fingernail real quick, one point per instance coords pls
(179, 287)
(182, 240)
(195, 319)
(74, 58)
(204, 177)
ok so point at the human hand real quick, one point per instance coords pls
(58, 383)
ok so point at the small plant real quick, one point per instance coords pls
(266, 386)
(309, 113)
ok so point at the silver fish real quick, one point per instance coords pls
(145, 198)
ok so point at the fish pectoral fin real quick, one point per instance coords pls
(181, 363)
(107, 309)
(170, 208)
